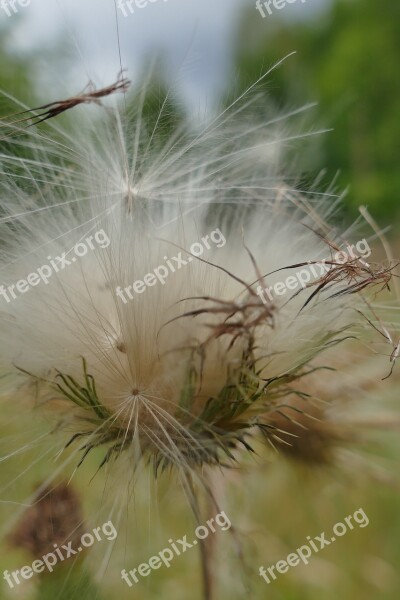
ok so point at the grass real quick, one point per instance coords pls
(273, 509)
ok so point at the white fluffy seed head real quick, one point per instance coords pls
(186, 364)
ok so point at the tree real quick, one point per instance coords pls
(348, 61)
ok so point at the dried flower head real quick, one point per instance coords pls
(54, 518)
(180, 370)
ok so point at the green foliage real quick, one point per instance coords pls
(68, 584)
(15, 75)
(347, 60)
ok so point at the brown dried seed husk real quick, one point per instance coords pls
(55, 517)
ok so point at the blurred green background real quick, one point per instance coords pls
(347, 60)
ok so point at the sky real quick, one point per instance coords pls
(194, 37)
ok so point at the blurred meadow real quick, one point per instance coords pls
(346, 61)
